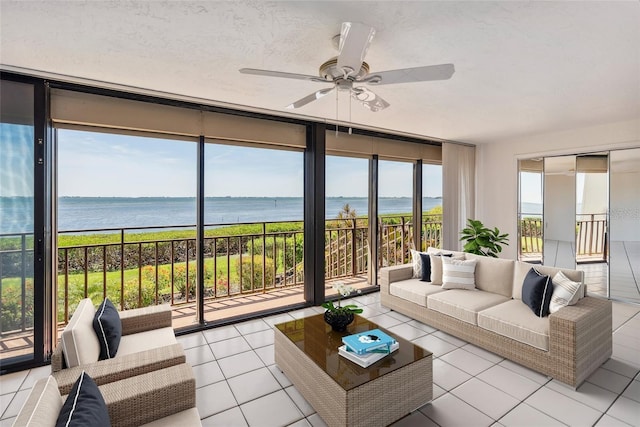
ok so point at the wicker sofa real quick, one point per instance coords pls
(148, 344)
(155, 399)
(567, 345)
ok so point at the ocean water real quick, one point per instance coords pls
(88, 213)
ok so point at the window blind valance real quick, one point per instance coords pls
(364, 146)
(78, 109)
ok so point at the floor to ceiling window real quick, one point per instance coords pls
(254, 242)
(346, 207)
(431, 206)
(205, 210)
(395, 218)
(17, 225)
(126, 220)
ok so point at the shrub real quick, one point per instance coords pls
(11, 313)
(250, 282)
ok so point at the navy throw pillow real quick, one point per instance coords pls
(536, 292)
(426, 266)
(108, 327)
(84, 406)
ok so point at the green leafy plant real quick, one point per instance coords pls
(482, 240)
(343, 291)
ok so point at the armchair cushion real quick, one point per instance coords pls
(143, 341)
(84, 406)
(108, 327)
(79, 340)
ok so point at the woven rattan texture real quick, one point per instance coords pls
(376, 403)
(133, 321)
(580, 335)
(118, 368)
(144, 398)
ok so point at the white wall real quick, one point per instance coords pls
(497, 168)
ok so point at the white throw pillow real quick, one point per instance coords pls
(435, 260)
(565, 292)
(416, 263)
(458, 274)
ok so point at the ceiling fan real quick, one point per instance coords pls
(348, 69)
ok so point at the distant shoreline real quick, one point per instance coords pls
(90, 213)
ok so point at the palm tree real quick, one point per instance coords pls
(347, 213)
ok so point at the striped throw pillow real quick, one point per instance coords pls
(565, 292)
(458, 274)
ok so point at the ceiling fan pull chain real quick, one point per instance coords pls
(349, 115)
(337, 114)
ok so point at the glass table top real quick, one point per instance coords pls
(320, 343)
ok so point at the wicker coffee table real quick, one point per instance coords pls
(343, 393)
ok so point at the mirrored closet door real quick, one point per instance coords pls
(559, 212)
(583, 212)
(592, 203)
(624, 228)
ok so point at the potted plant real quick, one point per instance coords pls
(339, 316)
(482, 240)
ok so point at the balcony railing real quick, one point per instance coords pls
(591, 238)
(133, 270)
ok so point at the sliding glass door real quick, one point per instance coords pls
(17, 227)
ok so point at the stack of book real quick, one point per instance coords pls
(366, 348)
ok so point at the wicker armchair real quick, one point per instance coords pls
(148, 344)
(154, 399)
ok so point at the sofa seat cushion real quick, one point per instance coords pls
(463, 304)
(190, 417)
(146, 340)
(414, 290)
(515, 320)
(79, 340)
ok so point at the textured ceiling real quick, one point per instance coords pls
(521, 67)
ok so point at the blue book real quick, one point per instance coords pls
(373, 341)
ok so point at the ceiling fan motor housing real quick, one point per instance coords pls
(330, 71)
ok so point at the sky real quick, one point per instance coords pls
(16, 160)
(109, 165)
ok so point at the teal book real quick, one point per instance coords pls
(373, 341)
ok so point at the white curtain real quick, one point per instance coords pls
(458, 191)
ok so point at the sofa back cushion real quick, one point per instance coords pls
(494, 274)
(79, 340)
(522, 268)
(42, 405)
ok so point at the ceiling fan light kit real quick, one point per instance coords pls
(349, 68)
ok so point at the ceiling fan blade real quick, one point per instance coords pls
(309, 98)
(369, 99)
(407, 75)
(270, 73)
(355, 39)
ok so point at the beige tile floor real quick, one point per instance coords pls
(238, 383)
